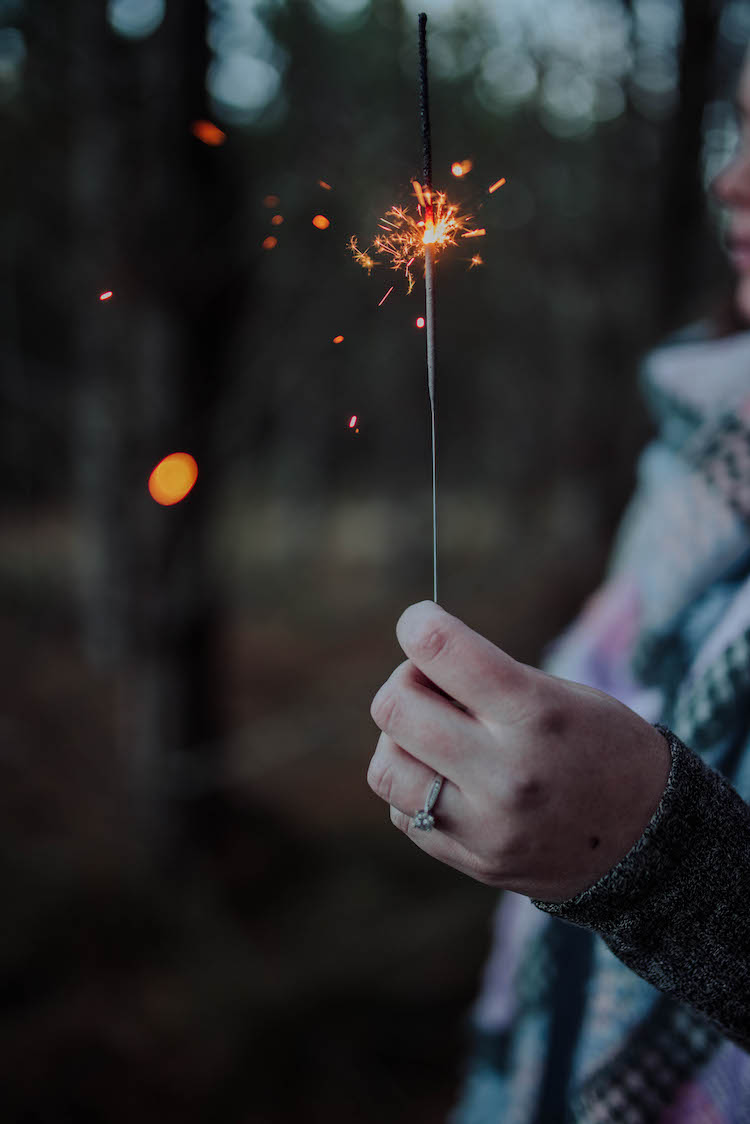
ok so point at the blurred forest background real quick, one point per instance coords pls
(206, 914)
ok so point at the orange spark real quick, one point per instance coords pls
(323, 183)
(338, 339)
(461, 168)
(361, 258)
(270, 242)
(420, 321)
(418, 192)
(106, 296)
(495, 186)
(271, 201)
(277, 220)
(321, 222)
(173, 478)
(385, 298)
(209, 133)
(352, 421)
(405, 237)
(478, 233)
(476, 260)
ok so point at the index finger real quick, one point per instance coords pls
(463, 663)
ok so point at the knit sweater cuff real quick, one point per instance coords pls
(675, 909)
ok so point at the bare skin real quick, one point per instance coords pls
(548, 783)
(732, 188)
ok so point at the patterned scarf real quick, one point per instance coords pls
(668, 634)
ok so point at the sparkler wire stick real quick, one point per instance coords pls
(429, 275)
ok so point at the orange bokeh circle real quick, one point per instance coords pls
(173, 478)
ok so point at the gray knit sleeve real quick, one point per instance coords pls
(676, 909)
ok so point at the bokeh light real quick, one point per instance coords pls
(209, 133)
(173, 478)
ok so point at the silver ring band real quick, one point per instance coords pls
(423, 819)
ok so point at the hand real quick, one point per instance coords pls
(548, 784)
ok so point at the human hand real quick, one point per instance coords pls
(548, 783)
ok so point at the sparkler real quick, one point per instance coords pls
(429, 279)
(407, 239)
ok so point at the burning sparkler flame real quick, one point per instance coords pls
(438, 224)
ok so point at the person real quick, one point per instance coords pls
(607, 793)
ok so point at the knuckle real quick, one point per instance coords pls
(384, 708)
(552, 721)
(527, 793)
(432, 642)
(380, 777)
(400, 820)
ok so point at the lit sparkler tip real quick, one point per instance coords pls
(498, 183)
(106, 295)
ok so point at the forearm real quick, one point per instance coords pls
(676, 909)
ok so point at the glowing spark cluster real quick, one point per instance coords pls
(361, 258)
(437, 223)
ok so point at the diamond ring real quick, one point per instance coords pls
(423, 819)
